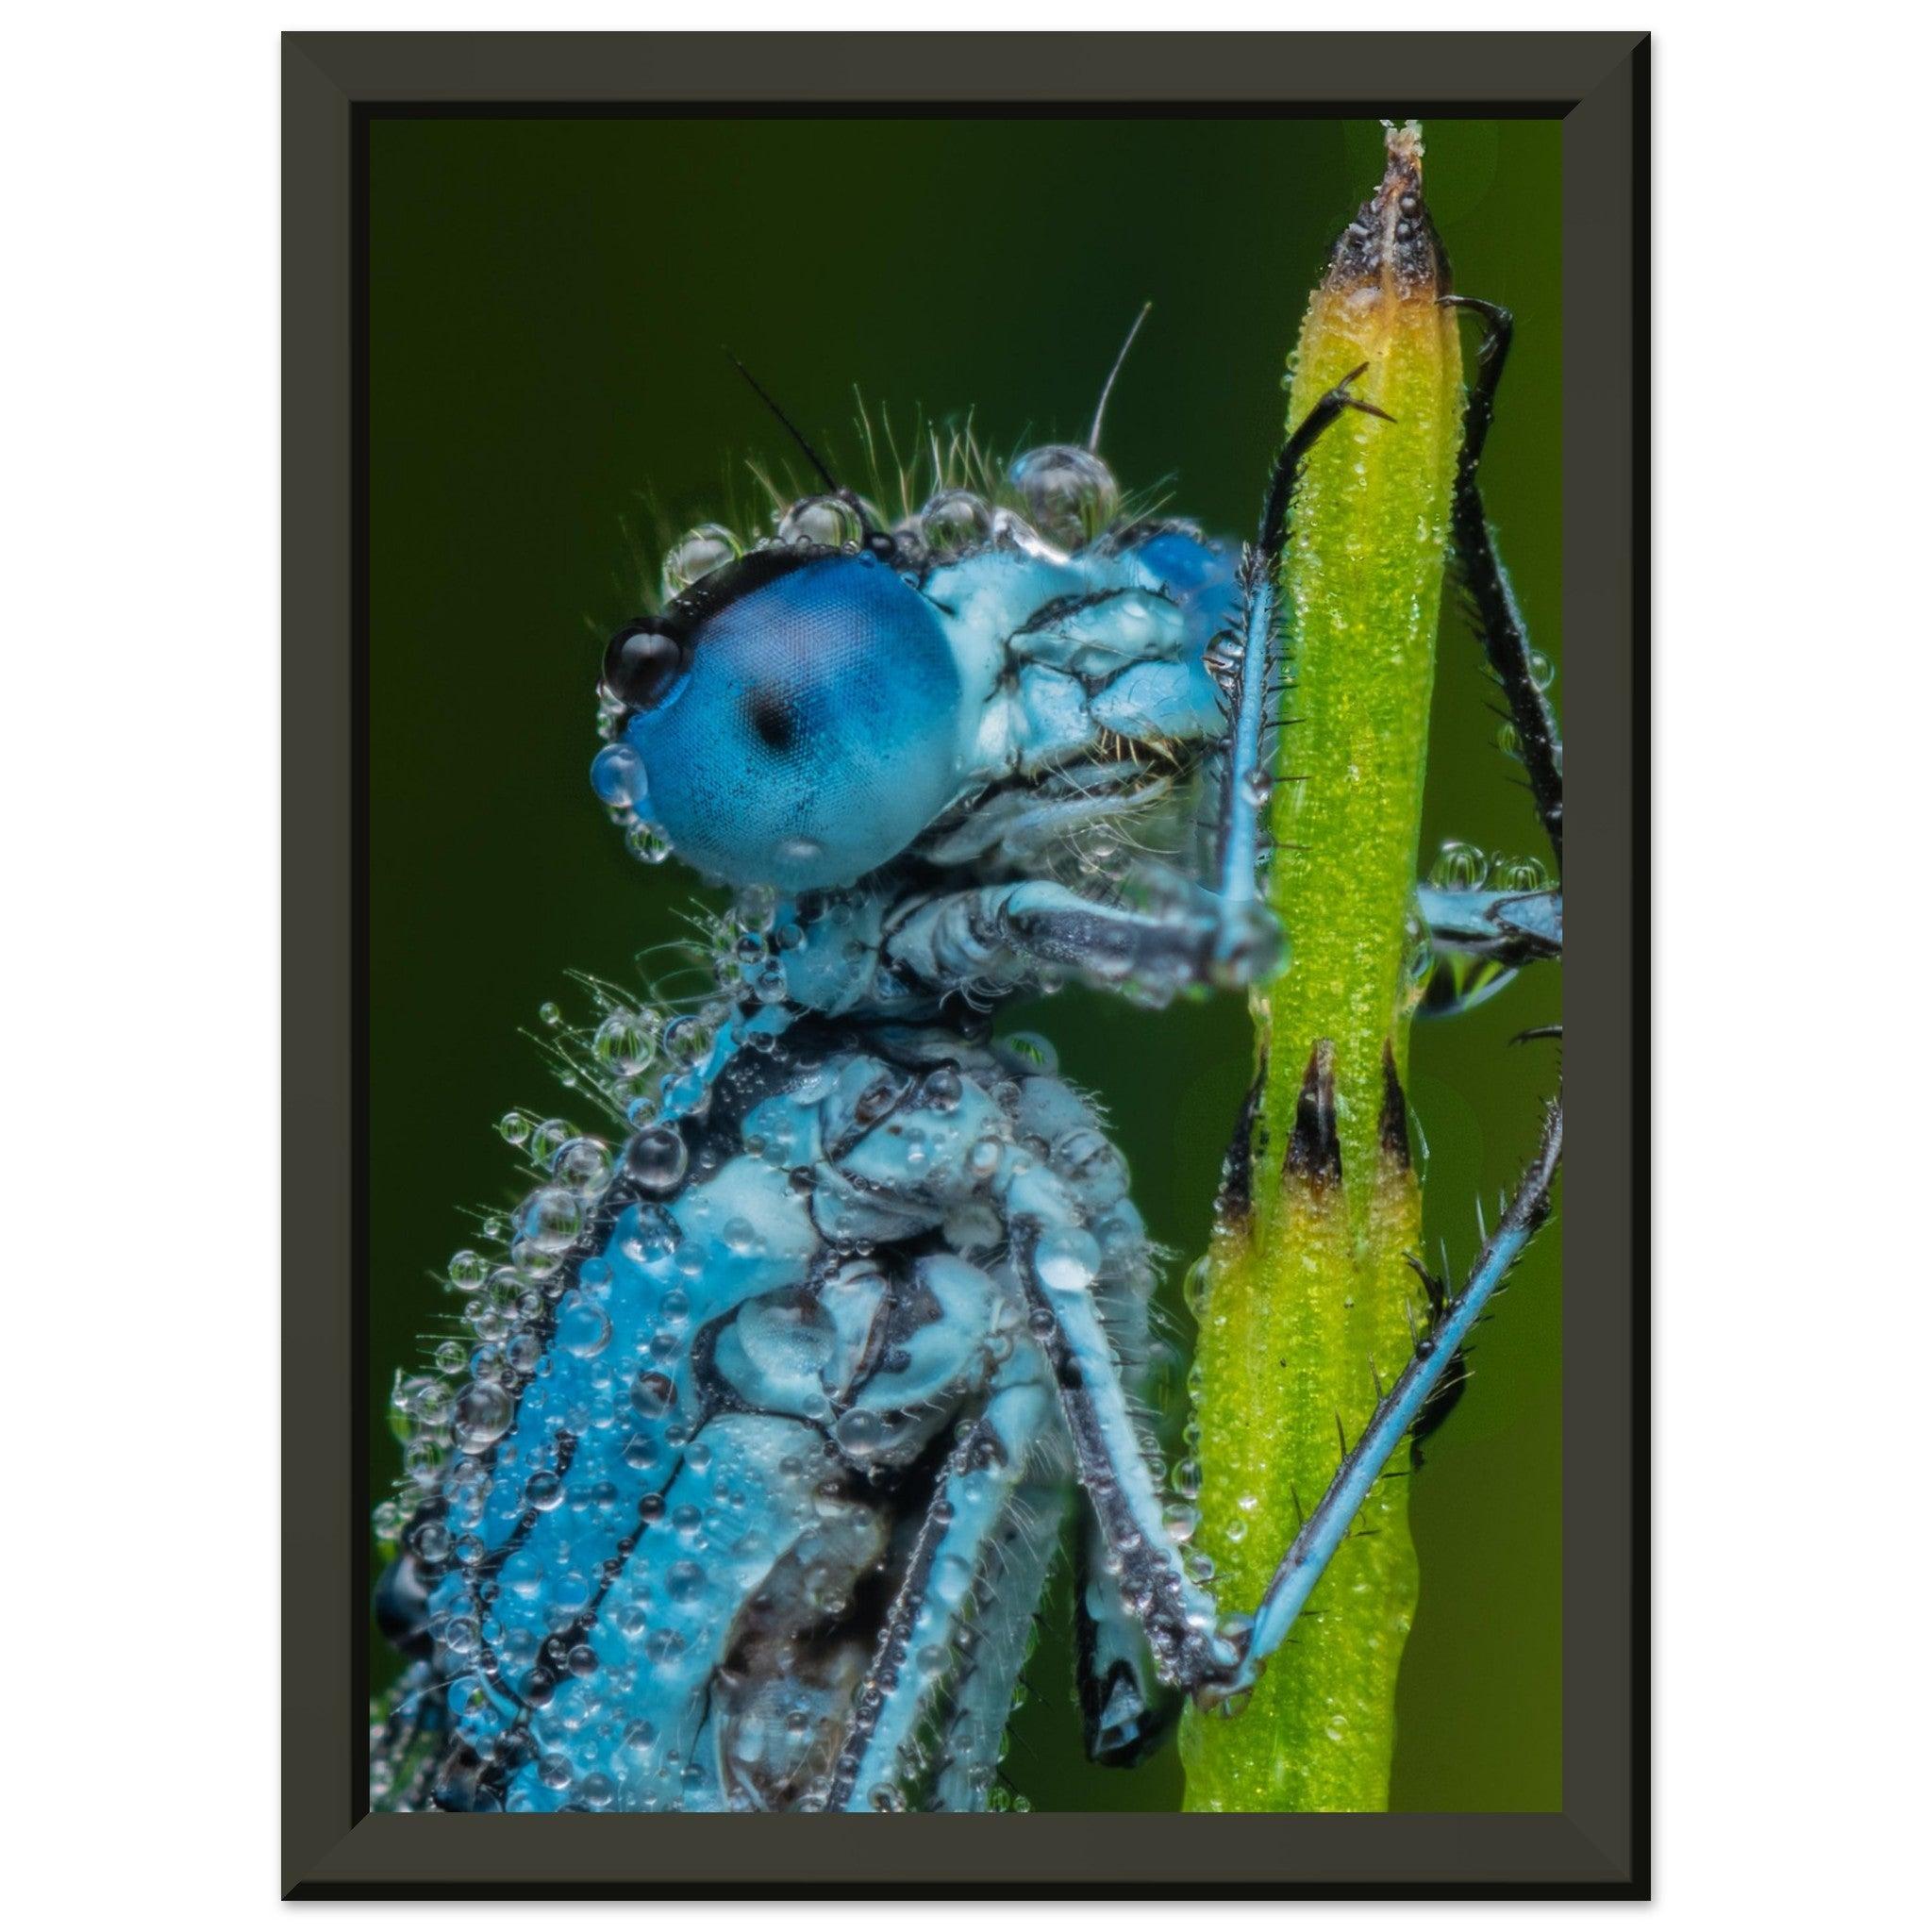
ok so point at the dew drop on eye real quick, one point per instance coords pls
(696, 554)
(617, 776)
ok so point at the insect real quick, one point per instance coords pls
(782, 1402)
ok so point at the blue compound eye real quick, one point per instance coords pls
(797, 721)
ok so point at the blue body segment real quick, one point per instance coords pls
(751, 1374)
(745, 1492)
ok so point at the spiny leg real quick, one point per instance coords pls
(1126, 1710)
(1498, 616)
(1397, 1412)
(1052, 1259)
(1249, 671)
(1510, 928)
(997, 939)
(956, 1548)
(1193, 1648)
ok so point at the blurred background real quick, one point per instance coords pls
(547, 303)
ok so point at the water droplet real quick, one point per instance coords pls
(828, 520)
(1419, 961)
(755, 909)
(1517, 875)
(860, 1431)
(617, 776)
(1067, 1258)
(954, 521)
(648, 842)
(1032, 1052)
(581, 1164)
(583, 1328)
(1459, 867)
(549, 1220)
(652, 1395)
(1195, 1284)
(1069, 492)
(656, 1160)
(483, 1412)
(1180, 1521)
(696, 554)
(689, 1037)
(626, 1042)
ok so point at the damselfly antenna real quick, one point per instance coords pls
(811, 455)
(1106, 388)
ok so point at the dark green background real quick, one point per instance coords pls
(547, 301)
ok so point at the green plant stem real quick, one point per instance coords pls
(1307, 1292)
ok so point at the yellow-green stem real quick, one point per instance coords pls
(1307, 1292)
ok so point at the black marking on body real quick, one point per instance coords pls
(1122, 538)
(1057, 611)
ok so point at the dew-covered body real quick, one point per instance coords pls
(790, 1394)
(768, 1374)
(790, 1438)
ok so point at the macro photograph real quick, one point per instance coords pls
(943, 873)
(985, 843)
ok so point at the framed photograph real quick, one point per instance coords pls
(932, 686)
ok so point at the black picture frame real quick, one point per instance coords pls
(1599, 1845)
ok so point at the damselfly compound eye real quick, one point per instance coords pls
(641, 663)
(1069, 492)
(809, 729)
